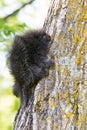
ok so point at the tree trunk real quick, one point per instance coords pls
(59, 102)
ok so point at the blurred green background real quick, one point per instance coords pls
(16, 16)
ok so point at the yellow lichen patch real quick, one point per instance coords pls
(78, 59)
(66, 94)
(76, 95)
(75, 106)
(50, 119)
(67, 82)
(57, 96)
(85, 18)
(84, 49)
(85, 33)
(55, 126)
(68, 16)
(79, 122)
(39, 97)
(77, 80)
(52, 104)
(85, 8)
(79, 23)
(57, 66)
(60, 96)
(70, 29)
(62, 47)
(76, 38)
(81, 30)
(65, 72)
(76, 87)
(38, 107)
(85, 83)
(85, 46)
(68, 100)
(70, 3)
(68, 115)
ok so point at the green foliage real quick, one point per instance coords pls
(22, 1)
(7, 29)
(9, 104)
(2, 3)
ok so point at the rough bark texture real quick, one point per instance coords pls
(60, 101)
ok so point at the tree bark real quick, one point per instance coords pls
(59, 102)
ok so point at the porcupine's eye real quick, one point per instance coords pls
(46, 37)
